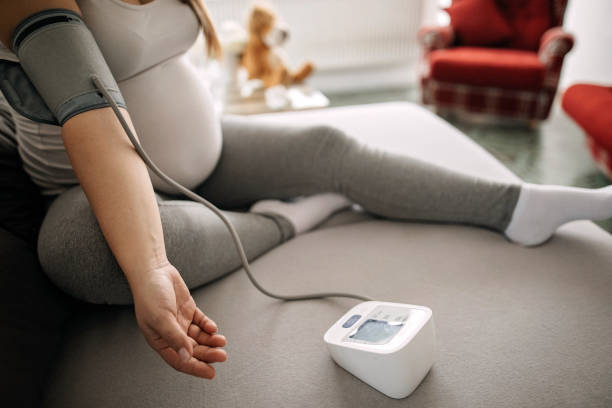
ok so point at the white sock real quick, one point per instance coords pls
(304, 213)
(541, 209)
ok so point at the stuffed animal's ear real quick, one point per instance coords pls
(262, 18)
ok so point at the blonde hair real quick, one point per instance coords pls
(213, 46)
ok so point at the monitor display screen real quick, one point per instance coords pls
(374, 331)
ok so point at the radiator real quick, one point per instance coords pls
(341, 34)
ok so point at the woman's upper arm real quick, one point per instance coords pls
(14, 12)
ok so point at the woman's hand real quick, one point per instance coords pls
(174, 326)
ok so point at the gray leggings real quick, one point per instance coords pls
(258, 161)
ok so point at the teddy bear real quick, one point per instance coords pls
(263, 56)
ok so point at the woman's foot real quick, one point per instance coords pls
(304, 213)
(541, 209)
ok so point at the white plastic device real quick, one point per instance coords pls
(389, 346)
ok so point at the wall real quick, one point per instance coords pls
(355, 44)
(591, 59)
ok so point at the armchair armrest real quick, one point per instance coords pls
(555, 43)
(435, 37)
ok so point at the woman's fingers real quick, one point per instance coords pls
(200, 369)
(169, 329)
(209, 354)
(206, 339)
(205, 323)
(193, 366)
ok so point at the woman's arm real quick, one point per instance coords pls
(119, 190)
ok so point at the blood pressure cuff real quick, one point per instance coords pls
(58, 56)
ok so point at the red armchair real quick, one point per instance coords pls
(500, 59)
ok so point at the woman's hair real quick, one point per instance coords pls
(213, 46)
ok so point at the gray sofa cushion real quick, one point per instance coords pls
(516, 326)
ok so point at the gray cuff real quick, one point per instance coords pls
(60, 56)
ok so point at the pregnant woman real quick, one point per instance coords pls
(115, 234)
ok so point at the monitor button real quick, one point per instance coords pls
(351, 321)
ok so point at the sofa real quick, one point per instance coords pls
(516, 326)
(590, 106)
(497, 59)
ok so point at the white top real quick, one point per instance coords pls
(170, 104)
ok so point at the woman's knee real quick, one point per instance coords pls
(328, 138)
(74, 253)
(328, 149)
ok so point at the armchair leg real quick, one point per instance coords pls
(534, 124)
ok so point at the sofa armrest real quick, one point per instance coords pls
(436, 37)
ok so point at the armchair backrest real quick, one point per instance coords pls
(558, 11)
(555, 9)
(530, 19)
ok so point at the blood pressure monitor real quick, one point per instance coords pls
(390, 346)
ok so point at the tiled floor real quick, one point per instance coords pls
(553, 153)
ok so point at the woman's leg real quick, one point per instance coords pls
(75, 256)
(265, 160)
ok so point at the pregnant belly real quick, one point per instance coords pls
(173, 113)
